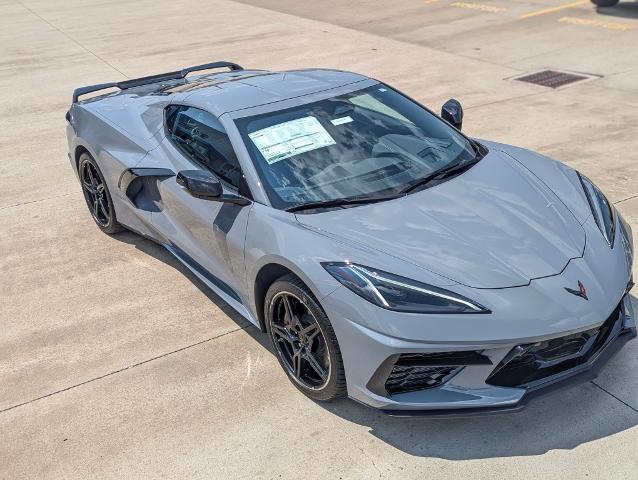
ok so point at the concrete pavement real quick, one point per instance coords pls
(115, 362)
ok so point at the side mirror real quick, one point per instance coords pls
(452, 112)
(203, 184)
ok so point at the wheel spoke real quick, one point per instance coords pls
(288, 308)
(91, 176)
(315, 365)
(311, 331)
(95, 206)
(89, 188)
(103, 208)
(296, 363)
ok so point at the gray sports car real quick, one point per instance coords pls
(389, 257)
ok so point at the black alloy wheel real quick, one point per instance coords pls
(299, 341)
(304, 340)
(97, 196)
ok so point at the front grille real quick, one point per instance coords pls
(410, 378)
(528, 363)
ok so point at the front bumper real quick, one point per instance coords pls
(582, 373)
(370, 357)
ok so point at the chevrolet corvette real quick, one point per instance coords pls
(389, 257)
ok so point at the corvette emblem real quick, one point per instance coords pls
(581, 292)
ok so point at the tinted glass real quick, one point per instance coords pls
(369, 142)
(201, 137)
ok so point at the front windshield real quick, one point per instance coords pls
(370, 142)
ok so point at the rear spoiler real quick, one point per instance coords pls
(136, 82)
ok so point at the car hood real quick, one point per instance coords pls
(494, 226)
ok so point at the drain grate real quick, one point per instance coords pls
(552, 78)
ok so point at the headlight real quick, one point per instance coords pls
(600, 208)
(398, 293)
(625, 235)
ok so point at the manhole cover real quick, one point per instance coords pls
(552, 78)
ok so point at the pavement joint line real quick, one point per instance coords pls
(33, 12)
(625, 199)
(36, 201)
(554, 9)
(525, 95)
(541, 54)
(129, 367)
(440, 50)
(611, 394)
(622, 72)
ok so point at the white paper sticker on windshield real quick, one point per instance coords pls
(341, 120)
(291, 138)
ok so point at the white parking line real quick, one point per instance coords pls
(478, 6)
(597, 23)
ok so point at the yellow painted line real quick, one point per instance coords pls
(430, 1)
(554, 9)
(597, 23)
(478, 6)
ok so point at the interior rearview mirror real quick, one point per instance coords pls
(204, 185)
(452, 112)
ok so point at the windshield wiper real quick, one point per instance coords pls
(440, 174)
(339, 202)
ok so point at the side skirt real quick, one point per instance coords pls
(213, 283)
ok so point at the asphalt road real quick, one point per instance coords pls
(116, 363)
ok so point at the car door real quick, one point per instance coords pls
(205, 234)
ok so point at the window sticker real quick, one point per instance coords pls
(287, 139)
(341, 120)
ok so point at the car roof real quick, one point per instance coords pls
(228, 92)
(139, 110)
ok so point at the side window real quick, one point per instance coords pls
(201, 137)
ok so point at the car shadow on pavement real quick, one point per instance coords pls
(563, 419)
(560, 420)
(622, 10)
(158, 252)
(155, 250)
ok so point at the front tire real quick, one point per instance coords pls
(97, 195)
(304, 340)
(604, 3)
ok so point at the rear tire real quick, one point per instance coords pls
(97, 195)
(304, 340)
(604, 3)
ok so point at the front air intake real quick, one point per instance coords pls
(409, 372)
(407, 379)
